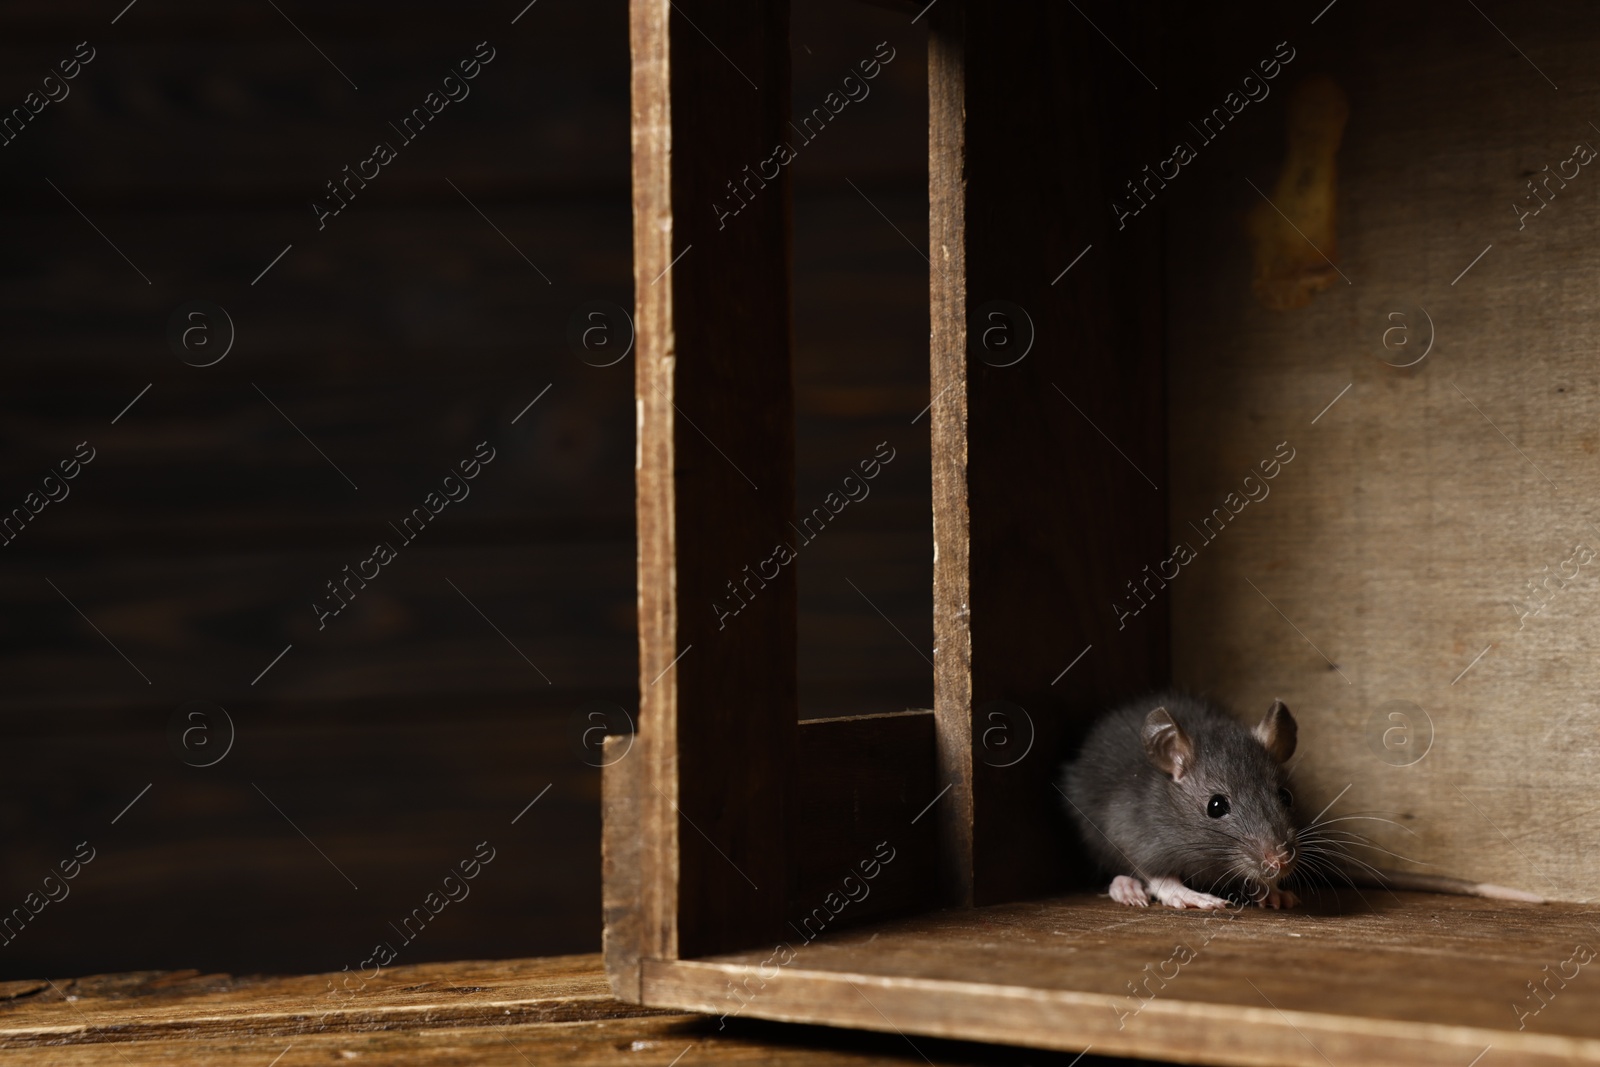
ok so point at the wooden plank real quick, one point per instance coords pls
(656, 490)
(152, 1005)
(947, 421)
(408, 634)
(620, 873)
(1047, 463)
(422, 288)
(716, 471)
(252, 68)
(501, 143)
(502, 1014)
(653, 1041)
(1404, 979)
(405, 283)
(389, 790)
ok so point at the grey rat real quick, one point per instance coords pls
(1177, 793)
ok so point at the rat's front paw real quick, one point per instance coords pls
(1278, 898)
(1174, 894)
(1129, 891)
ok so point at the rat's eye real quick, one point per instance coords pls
(1218, 807)
(1287, 797)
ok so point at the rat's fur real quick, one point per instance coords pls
(1138, 819)
(1138, 792)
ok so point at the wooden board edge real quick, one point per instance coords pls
(187, 1005)
(909, 713)
(654, 462)
(462, 1012)
(620, 874)
(947, 384)
(715, 473)
(1167, 1028)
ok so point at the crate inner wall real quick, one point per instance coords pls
(1416, 585)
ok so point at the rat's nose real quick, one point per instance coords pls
(1275, 859)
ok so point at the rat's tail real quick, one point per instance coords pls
(1382, 878)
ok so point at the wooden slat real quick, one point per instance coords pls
(715, 479)
(502, 1014)
(251, 59)
(420, 286)
(407, 635)
(952, 632)
(567, 52)
(1039, 519)
(152, 1005)
(1410, 978)
(389, 790)
(621, 846)
(656, 1041)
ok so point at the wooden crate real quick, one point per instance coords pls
(740, 842)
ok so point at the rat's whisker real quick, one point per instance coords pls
(1364, 865)
(1396, 855)
(1361, 818)
(1343, 840)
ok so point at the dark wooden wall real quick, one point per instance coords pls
(861, 360)
(1041, 512)
(396, 338)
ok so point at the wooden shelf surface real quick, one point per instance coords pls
(499, 1013)
(1352, 978)
(155, 1004)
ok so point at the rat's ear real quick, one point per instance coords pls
(1277, 732)
(1166, 745)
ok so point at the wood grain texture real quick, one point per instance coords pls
(502, 1014)
(652, 1041)
(655, 490)
(151, 1005)
(1392, 552)
(1401, 979)
(947, 415)
(621, 847)
(716, 472)
(1047, 460)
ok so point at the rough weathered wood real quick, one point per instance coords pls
(153, 1005)
(1039, 519)
(656, 1041)
(1410, 978)
(716, 472)
(504, 1014)
(620, 876)
(1399, 541)
(947, 415)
